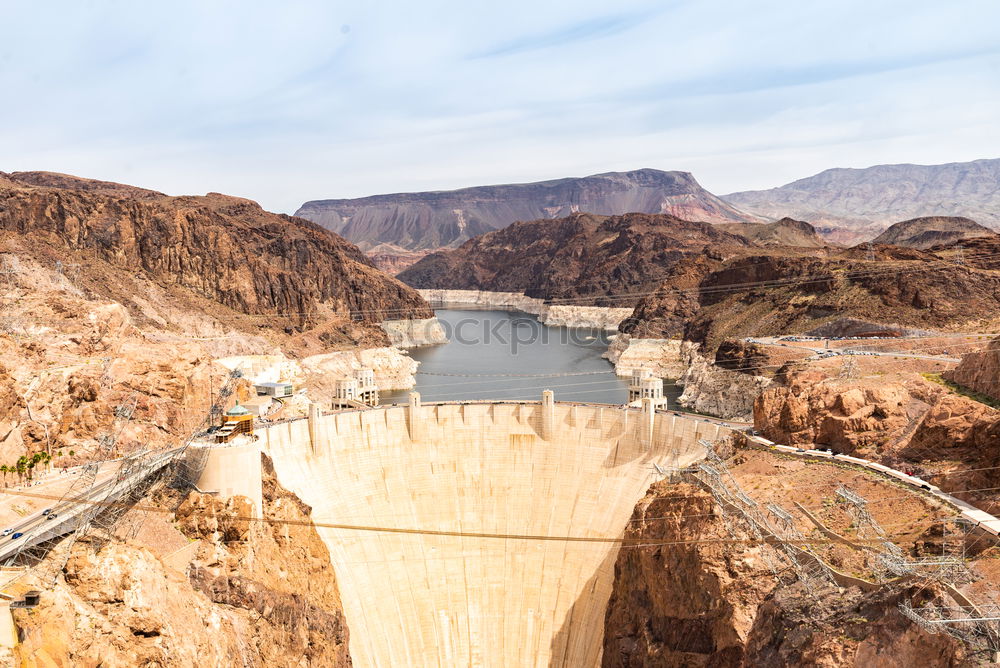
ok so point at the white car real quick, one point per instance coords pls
(7, 532)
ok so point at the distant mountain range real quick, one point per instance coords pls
(442, 219)
(869, 200)
(845, 206)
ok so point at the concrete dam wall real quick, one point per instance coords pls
(512, 471)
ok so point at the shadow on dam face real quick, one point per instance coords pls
(514, 471)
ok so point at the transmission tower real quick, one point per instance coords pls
(714, 475)
(870, 252)
(12, 324)
(887, 558)
(812, 570)
(187, 463)
(70, 270)
(890, 560)
(968, 623)
(78, 494)
(735, 506)
(134, 477)
(849, 369)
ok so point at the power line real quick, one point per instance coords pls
(408, 531)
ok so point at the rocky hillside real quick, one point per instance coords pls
(979, 371)
(866, 199)
(448, 218)
(784, 232)
(198, 585)
(392, 259)
(891, 415)
(931, 231)
(708, 300)
(583, 255)
(285, 272)
(694, 597)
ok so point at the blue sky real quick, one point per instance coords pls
(285, 102)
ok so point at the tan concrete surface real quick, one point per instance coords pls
(232, 470)
(420, 600)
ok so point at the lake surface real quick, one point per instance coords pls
(495, 354)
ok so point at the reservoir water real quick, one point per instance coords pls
(496, 354)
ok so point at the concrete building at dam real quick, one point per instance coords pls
(478, 533)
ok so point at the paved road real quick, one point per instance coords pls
(66, 514)
(842, 352)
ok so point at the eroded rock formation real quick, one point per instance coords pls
(979, 371)
(243, 593)
(226, 249)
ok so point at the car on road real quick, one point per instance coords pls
(46, 511)
(17, 535)
(51, 516)
(7, 532)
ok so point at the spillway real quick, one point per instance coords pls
(510, 470)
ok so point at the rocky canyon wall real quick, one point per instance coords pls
(693, 598)
(202, 586)
(979, 371)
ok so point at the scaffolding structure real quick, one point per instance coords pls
(737, 506)
(968, 623)
(889, 560)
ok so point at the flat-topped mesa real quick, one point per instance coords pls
(430, 220)
(453, 553)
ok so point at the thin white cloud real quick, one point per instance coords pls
(347, 99)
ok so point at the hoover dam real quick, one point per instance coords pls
(478, 533)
